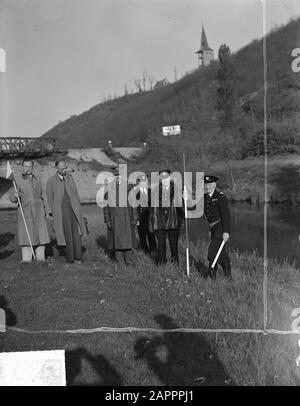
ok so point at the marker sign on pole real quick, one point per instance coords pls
(2, 61)
(171, 130)
(33, 368)
(2, 321)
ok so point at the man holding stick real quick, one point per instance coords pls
(217, 214)
(32, 225)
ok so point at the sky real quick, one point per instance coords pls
(65, 56)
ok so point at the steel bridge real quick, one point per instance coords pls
(27, 147)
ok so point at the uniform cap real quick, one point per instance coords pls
(165, 173)
(210, 178)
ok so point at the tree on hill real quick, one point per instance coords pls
(225, 90)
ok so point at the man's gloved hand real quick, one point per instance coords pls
(225, 237)
(151, 228)
(108, 225)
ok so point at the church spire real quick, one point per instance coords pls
(204, 42)
(205, 53)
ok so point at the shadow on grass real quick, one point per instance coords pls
(5, 239)
(181, 358)
(107, 375)
(103, 243)
(201, 268)
(11, 319)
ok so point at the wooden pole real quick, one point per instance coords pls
(186, 223)
(21, 209)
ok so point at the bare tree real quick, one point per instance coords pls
(137, 83)
(175, 73)
(151, 80)
(144, 80)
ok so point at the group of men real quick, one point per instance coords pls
(63, 211)
(154, 223)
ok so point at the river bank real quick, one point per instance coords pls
(254, 181)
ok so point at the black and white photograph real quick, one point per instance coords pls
(150, 195)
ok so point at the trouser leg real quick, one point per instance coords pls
(26, 254)
(68, 232)
(76, 238)
(128, 256)
(142, 231)
(215, 243)
(161, 236)
(212, 271)
(151, 241)
(119, 255)
(173, 241)
(226, 270)
(40, 253)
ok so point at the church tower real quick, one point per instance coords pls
(205, 53)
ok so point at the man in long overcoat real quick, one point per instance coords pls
(34, 208)
(166, 217)
(64, 204)
(120, 222)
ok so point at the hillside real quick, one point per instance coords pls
(132, 119)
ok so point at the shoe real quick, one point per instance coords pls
(129, 263)
(227, 271)
(78, 261)
(212, 272)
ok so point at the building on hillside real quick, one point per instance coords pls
(161, 83)
(205, 53)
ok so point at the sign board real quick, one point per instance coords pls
(171, 130)
(2, 321)
(33, 368)
(2, 61)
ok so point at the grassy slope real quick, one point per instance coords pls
(54, 296)
(132, 118)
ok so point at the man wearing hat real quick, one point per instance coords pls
(217, 214)
(147, 239)
(120, 222)
(166, 218)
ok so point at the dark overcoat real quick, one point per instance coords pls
(120, 221)
(55, 194)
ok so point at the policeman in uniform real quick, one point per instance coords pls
(218, 216)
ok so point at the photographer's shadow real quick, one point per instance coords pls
(181, 358)
(104, 374)
(5, 240)
(10, 317)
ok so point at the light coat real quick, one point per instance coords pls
(34, 209)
